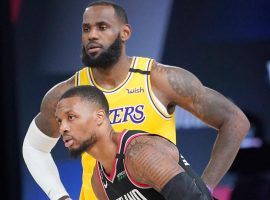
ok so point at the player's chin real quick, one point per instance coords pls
(76, 151)
(94, 55)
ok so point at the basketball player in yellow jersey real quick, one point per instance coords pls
(132, 104)
(142, 94)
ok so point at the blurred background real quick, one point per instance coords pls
(225, 43)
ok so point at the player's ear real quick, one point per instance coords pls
(126, 32)
(100, 116)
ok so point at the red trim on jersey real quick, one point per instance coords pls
(100, 181)
(134, 182)
(113, 172)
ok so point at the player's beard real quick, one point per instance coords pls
(85, 145)
(106, 58)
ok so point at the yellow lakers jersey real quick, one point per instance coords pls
(133, 106)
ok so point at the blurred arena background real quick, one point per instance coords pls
(226, 44)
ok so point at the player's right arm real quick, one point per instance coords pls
(41, 137)
(97, 186)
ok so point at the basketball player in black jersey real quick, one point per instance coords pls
(131, 164)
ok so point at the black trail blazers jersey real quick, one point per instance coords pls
(119, 185)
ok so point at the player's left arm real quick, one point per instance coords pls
(176, 86)
(153, 160)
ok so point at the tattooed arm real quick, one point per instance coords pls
(152, 160)
(176, 86)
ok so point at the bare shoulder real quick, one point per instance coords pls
(177, 86)
(152, 160)
(163, 69)
(51, 97)
(174, 85)
(176, 77)
(45, 120)
(150, 143)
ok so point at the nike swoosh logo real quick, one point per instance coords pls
(105, 185)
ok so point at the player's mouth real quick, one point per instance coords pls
(93, 48)
(68, 141)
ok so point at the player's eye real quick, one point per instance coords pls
(71, 117)
(86, 29)
(103, 27)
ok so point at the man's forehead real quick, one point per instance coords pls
(69, 103)
(99, 13)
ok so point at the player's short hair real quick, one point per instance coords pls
(89, 93)
(119, 10)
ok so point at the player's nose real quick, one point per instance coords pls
(64, 128)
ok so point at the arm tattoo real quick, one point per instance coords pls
(187, 86)
(152, 160)
(207, 104)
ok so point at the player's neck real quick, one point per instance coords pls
(106, 151)
(114, 75)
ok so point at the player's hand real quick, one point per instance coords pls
(65, 198)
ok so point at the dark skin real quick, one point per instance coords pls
(172, 86)
(151, 160)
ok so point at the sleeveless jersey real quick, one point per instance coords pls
(133, 106)
(119, 185)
